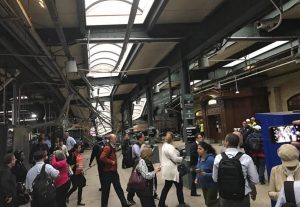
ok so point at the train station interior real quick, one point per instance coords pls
(94, 67)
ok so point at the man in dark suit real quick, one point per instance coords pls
(193, 163)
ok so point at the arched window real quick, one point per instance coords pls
(293, 103)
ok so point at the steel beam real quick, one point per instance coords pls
(131, 40)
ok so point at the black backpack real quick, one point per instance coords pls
(43, 189)
(255, 142)
(289, 194)
(231, 179)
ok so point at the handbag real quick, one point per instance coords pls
(182, 169)
(23, 196)
(136, 181)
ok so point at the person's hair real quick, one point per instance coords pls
(17, 154)
(169, 137)
(39, 155)
(208, 148)
(197, 135)
(233, 140)
(8, 158)
(75, 147)
(139, 135)
(110, 136)
(60, 155)
(146, 153)
(41, 138)
(61, 140)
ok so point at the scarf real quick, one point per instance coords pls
(290, 173)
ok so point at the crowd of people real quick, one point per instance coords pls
(227, 179)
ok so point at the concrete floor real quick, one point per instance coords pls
(92, 196)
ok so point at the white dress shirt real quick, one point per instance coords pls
(35, 170)
(281, 198)
(248, 167)
(70, 143)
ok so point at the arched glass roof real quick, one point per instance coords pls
(111, 12)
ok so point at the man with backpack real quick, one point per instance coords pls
(96, 152)
(39, 182)
(110, 172)
(233, 171)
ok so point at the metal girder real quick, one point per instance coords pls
(81, 16)
(50, 38)
(156, 10)
(111, 80)
(121, 97)
(131, 40)
(221, 24)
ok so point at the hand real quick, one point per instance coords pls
(113, 162)
(157, 169)
(8, 199)
(296, 122)
(253, 196)
(202, 173)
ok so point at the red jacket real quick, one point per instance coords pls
(107, 157)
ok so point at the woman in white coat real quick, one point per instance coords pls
(169, 160)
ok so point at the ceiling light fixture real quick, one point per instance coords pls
(236, 86)
(71, 66)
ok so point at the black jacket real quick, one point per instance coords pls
(8, 187)
(20, 171)
(125, 145)
(193, 154)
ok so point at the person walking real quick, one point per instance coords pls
(204, 173)
(136, 151)
(70, 141)
(147, 170)
(234, 188)
(109, 158)
(8, 185)
(62, 182)
(193, 163)
(76, 161)
(40, 157)
(125, 147)
(169, 160)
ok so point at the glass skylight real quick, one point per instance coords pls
(111, 12)
(138, 108)
(256, 53)
(104, 57)
(102, 91)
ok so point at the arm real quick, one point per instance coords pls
(58, 164)
(272, 193)
(51, 171)
(135, 151)
(215, 170)
(252, 172)
(172, 155)
(142, 168)
(281, 198)
(104, 156)
(210, 165)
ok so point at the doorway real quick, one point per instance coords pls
(214, 127)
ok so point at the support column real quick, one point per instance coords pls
(149, 96)
(170, 84)
(112, 121)
(14, 105)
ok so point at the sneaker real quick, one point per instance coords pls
(80, 204)
(195, 194)
(262, 182)
(156, 197)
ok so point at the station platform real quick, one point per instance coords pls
(92, 195)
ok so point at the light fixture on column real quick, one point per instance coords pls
(71, 66)
(156, 88)
(236, 86)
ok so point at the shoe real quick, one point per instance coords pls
(67, 200)
(156, 197)
(100, 189)
(80, 204)
(195, 194)
(131, 203)
(262, 182)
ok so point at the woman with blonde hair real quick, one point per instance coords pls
(169, 160)
(147, 170)
(289, 170)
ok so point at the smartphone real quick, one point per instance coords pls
(285, 133)
(197, 170)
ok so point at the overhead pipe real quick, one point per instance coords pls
(263, 39)
(132, 15)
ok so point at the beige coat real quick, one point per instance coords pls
(169, 160)
(277, 179)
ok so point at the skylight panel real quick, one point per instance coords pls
(111, 12)
(256, 53)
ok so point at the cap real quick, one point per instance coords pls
(289, 155)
